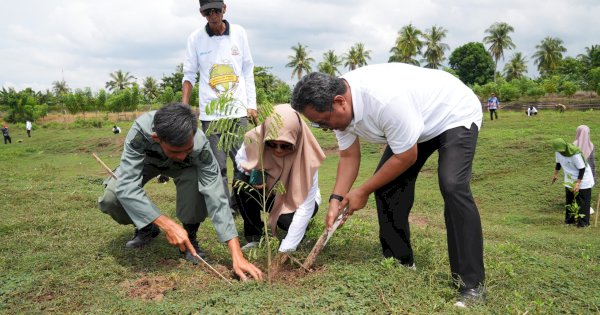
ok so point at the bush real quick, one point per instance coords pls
(87, 123)
(509, 92)
(568, 88)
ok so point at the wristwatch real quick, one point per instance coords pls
(337, 197)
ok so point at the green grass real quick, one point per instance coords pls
(60, 254)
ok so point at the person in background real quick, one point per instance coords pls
(531, 111)
(219, 51)
(578, 181)
(291, 156)
(168, 142)
(116, 130)
(415, 112)
(28, 128)
(493, 104)
(584, 143)
(6, 134)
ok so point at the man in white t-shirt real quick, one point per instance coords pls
(415, 111)
(219, 51)
(28, 128)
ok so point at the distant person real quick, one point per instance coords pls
(220, 52)
(578, 180)
(28, 128)
(291, 156)
(413, 111)
(6, 134)
(561, 108)
(168, 142)
(531, 111)
(493, 105)
(584, 143)
(116, 130)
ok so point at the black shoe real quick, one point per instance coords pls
(143, 236)
(469, 297)
(192, 230)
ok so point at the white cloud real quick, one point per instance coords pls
(89, 39)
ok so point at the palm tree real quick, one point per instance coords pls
(120, 80)
(516, 67)
(60, 87)
(499, 40)
(408, 45)
(330, 63)
(300, 61)
(591, 58)
(356, 57)
(549, 54)
(150, 89)
(434, 53)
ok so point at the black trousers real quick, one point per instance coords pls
(456, 148)
(7, 138)
(493, 113)
(250, 209)
(583, 199)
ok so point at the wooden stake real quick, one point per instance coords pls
(106, 168)
(322, 241)
(211, 268)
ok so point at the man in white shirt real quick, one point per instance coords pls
(220, 52)
(415, 111)
(28, 128)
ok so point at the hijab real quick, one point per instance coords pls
(565, 149)
(582, 140)
(296, 170)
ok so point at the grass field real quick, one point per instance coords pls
(60, 254)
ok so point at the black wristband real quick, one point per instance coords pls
(337, 197)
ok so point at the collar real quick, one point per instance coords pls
(357, 105)
(211, 34)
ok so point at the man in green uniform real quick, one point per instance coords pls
(167, 142)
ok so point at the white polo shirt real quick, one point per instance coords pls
(400, 105)
(571, 166)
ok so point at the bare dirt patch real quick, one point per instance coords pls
(418, 220)
(149, 288)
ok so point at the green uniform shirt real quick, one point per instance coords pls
(141, 149)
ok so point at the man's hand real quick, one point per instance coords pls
(176, 234)
(240, 265)
(355, 199)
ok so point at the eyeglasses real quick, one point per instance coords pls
(208, 12)
(323, 124)
(282, 146)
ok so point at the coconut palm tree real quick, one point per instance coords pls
(516, 67)
(408, 45)
(120, 80)
(591, 58)
(434, 52)
(499, 40)
(549, 54)
(330, 63)
(150, 89)
(300, 62)
(60, 87)
(357, 56)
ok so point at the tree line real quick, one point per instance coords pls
(474, 63)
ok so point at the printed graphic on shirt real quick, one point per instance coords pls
(235, 51)
(222, 78)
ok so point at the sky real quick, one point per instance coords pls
(82, 41)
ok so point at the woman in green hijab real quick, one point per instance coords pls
(578, 181)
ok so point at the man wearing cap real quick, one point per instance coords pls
(220, 52)
(413, 111)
